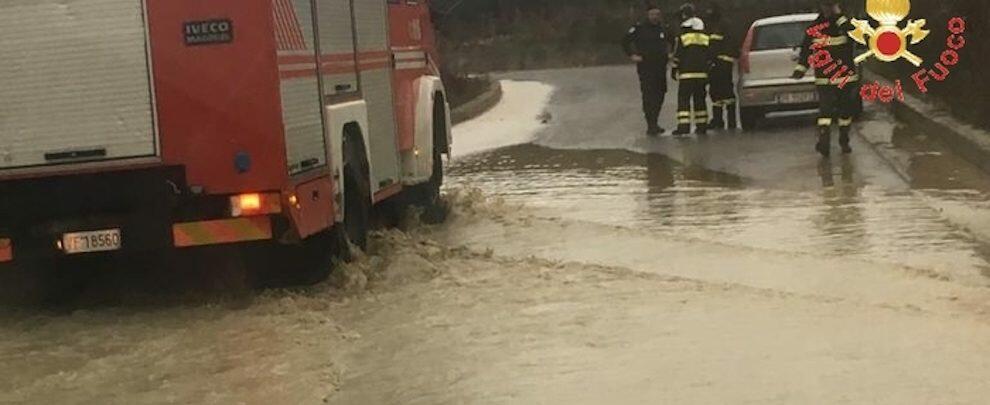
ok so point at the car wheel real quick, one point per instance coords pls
(750, 117)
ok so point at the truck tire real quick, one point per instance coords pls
(311, 260)
(357, 194)
(427, 195)
(750, 117)
(307, 263)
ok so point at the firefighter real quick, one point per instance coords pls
(831, 53)
(721, 86)
(646, 44)
(692, 62)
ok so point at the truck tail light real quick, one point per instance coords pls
(6, 250)
(251, 204)
(747, 47)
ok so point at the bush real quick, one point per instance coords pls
(461, 89)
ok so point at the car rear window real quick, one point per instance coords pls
(779, 36)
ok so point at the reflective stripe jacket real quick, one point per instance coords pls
(724, 48)
(693, 54)
(828, 49)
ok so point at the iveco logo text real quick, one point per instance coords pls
(209, 32)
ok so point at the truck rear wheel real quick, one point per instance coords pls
(306, 263)
(311, 260)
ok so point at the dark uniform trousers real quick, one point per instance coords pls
(653, 83)
(723, 94)
(692, 89)
(838, 105)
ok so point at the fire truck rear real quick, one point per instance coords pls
(133, 126)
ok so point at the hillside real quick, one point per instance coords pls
(494, 35)
(491, 35)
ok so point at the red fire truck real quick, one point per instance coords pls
(164, 125)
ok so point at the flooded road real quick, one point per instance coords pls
(764, 189)
(735, 268)
(584, 263)
(846, 216)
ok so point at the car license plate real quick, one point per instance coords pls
(95, 241)
(797, 98)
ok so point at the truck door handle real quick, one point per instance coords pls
(308, 163)
(76, 154)
(343, 87)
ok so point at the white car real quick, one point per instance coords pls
(766, 64)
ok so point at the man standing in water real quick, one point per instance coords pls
(692, 62)
(838, 98)
(646, 44)
(721, 86)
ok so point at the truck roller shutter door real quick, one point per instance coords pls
(75, 82)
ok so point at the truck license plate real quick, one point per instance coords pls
(797, 98)
(95, 241)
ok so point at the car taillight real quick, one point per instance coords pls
(746, 48)
(245, 205)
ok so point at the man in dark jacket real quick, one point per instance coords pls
(692, 62)
(827, 44)
(646, 44)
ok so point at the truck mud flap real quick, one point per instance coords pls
(223, 231)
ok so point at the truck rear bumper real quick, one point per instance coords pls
(151, 207)
(135, 240)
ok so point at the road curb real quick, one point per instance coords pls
(877, 132)
(479, 105)
(963, 139)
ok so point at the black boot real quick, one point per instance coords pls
(824, 145)
(844, 140)
(717, 122)
(730, 110)
(702, 129)
(652, 129)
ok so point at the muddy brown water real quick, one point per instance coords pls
(844, 217)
